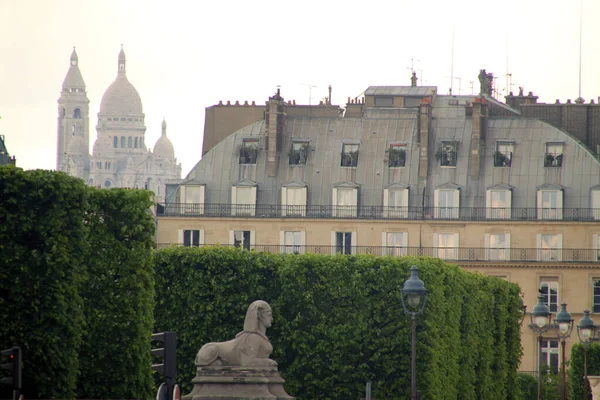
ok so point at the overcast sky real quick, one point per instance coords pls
(184, 56)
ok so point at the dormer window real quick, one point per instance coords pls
(349, 155)
(447, 154)
(550, 201)
(397, 155)
(554, 155)
(298, 153)
(249, 151)
(384, 101)
(504, 153)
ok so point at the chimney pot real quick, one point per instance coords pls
(245, 102)
(530, 94)
(228, 102)
(253, 103)
(220, 102)
(557, 101)
(568, 101)
(237, 102)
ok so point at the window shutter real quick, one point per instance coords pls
(540, 197)
(596, 203)
(560, 246)
(487, 245)
(507, 251)
(180, 237)
(232, 237)
(386, 197)
(353, 242)
(539, 244)
(233, 202)
(384, 239)
(201, 240)
(404, 198)
(436, 246)
(405, 239)
(455, 211)
(252, 239)
(436, 205)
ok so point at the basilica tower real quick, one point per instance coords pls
(73, 124)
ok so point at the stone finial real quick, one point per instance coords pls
(413, 79)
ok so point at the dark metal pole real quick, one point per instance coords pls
(539, 393)
(564, 373)
(413, 360)
(585, 379)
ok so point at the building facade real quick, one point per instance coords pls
(120, 157)
(406, 171)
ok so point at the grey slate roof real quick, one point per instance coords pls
(400, 91)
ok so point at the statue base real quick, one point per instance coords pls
(238, 383)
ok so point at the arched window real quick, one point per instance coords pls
(116, 142)
(123, 141)
(135, 143)
(107, 183)
(129, 142)
(77, 113)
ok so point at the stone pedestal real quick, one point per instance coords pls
(595, 385)
(237, 383)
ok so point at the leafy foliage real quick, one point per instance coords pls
(339, 321)
(577, 384)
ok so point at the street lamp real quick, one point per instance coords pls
(414, 297)
(563, 325)
(586, 330)
(540, 323)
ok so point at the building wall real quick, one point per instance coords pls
(222, 120)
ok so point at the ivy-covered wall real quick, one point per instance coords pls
(339, 322)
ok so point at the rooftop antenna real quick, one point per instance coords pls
(580, 40)
(310, 88)
(452, 63)
(459, 79)
(471, 86)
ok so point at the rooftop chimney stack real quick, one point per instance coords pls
(413, 79)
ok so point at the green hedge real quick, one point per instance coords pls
(339, 322)
(576, 368)
(76, 285)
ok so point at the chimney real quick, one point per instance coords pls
(275, 126)
(413, 79)
(478, 129)
(329, 98)
(424, 128)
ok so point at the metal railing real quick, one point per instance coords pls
(445, 253)
(376, 212)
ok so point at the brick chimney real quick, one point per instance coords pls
(275, 126)
(478, 129)
(424, 129)
(516, 101)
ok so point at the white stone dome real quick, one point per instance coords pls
(163, 147)
(103, 146)
(121, 98)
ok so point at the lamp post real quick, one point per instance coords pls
(563, 325)
(540, 323)
(414, 297)
(586, 330)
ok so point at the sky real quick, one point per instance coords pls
(185, 56)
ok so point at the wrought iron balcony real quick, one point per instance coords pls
(375, 212)
(445, 253)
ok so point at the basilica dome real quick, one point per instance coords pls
(164, 147)
(121, 98)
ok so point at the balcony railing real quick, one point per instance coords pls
(445, 253)
(375, 212)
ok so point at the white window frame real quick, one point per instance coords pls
(246, 209)
(445, 253)
(549, 254)
(596, 294)
(548, 212)
(293, 208)
(446, 212)
(497, 253)
(549, 288)
(184, 232)
(192, 197)
(596, 245)
(549, 351)
(298, 245)
(395, 210)
(393, 248)
(334, 245)
(345, 210)
(492, 212)
(252, 238)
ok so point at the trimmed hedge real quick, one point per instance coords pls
(576, 368)
(339, 322)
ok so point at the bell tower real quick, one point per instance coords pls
(73, 124)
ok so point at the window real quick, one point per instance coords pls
(115, 142)
(249, 151)
(550, 355)
(349, 155)
(446, 202)
(412, 102)
(549, 247)
(107, 165)
(192, 197)
(550, 202)
(99, 164)
(243, 198)
(395, 201)
(298, 153)
(394, 243)
(447, 154)
(554, 155)
(293, 199)
(345, 198)
(498, 202)
(504, 153)
(343, 242)
(191, 237)
(292, 241)
(242, 239)
(445, 245)
(384, 101)
(77, 113)
(595, 202)
(596, 296)
(549, 292)
(497, 246)
(397, 156)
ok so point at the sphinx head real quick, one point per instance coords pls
(259, 313)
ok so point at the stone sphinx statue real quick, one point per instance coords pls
(240, 368)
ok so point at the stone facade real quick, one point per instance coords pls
(120, 157)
